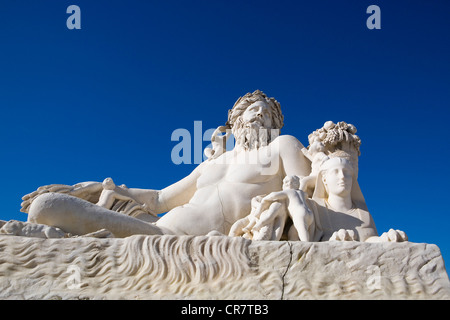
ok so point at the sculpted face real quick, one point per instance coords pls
(247, 128)
(260, 112)
(291, 182)
(338, 179)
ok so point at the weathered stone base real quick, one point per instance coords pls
(186, 267)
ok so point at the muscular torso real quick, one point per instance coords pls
(233, 184)
(224, 191)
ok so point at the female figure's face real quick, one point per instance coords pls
(338, 180)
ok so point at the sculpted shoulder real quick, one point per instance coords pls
(288, 143)
(292, 157)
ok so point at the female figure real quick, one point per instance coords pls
(340, 207)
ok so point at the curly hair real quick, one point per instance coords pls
(243, 102)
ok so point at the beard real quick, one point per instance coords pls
(251, 135)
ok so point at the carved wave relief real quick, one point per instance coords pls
(189, 267)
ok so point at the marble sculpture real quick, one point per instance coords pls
(268, 191)
(237, 192)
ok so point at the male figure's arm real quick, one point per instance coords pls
(177, 194)
(292, 158)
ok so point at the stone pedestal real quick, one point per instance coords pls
(188, 267)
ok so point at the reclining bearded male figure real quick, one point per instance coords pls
(215, 195)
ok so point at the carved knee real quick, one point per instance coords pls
(42, 208)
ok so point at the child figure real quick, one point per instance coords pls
(268, 217)
(316, 154)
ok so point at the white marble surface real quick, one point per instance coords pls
(217, 267)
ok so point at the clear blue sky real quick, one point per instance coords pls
(103, 101)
